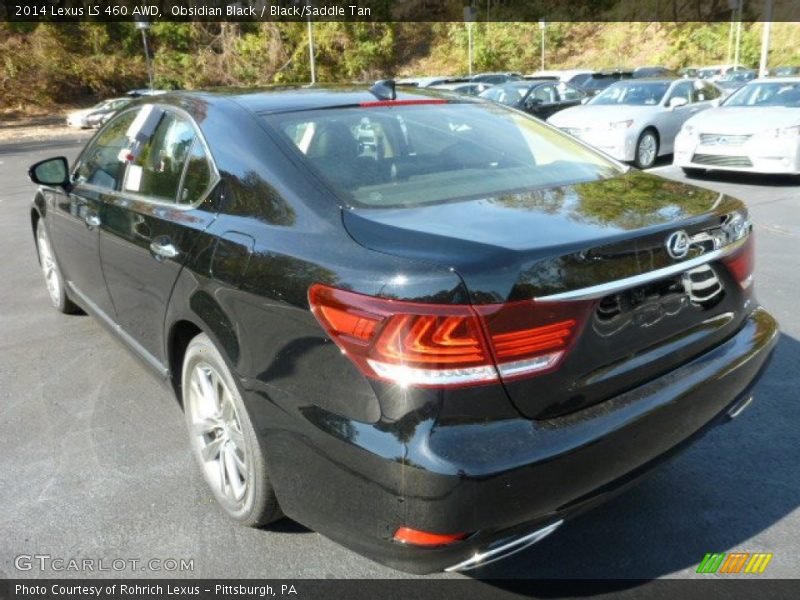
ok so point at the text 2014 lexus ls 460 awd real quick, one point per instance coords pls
(431, 328)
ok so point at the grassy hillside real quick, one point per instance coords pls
(44, 64)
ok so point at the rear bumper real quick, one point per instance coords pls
(505, 479)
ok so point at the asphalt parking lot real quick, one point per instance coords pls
(95, 462)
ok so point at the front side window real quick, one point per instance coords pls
(544, 94)
(510, 95)
(684, 89)
(567, 93)
(704, 91)
(435, 153)
(101, 164)
(157, 167)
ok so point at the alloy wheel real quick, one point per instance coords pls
(49, 266)
(646, 151)
(217, 433)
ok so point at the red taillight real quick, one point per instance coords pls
(406, 535)
(530, 336)
(433, 345)
(742, 262)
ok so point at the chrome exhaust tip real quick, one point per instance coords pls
(739, 407)
(506, 549)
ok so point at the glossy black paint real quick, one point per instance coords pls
(353, 458)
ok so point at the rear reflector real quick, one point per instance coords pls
(406, 535)
(444, 345)
(742, 262)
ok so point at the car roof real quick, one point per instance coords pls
(278, 99)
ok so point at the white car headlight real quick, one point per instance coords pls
(792, 132)
(620, 124)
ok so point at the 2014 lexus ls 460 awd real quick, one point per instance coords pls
(426, 326)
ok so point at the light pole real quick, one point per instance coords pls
(763, 71)
(542, 26)
(311, 51)
(738, 7)
(143, 25)
(469, 17)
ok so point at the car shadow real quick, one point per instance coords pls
(735, 482)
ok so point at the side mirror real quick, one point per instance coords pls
(53, 172)
(586, 99)
(677, 102)
(716, 102)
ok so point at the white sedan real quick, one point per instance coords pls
(637, 120)
(756, 129)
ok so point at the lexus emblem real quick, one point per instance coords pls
(678, 244)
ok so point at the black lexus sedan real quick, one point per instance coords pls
(540, 97)
(434, 347)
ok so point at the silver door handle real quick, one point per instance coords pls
(164, 249)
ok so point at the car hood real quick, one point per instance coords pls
(744, 120)
(588, 115)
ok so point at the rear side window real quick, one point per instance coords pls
(197, 177)
(411, 155)
(100, 164)
(157, 168)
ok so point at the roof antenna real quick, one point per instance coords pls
(384, 90)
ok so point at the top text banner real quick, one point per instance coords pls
(399, 10)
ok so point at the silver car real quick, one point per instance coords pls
(636, 120)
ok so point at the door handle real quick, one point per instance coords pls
(163, 248)
(92, 221)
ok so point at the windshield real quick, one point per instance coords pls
(767, 94)
(633, 93)
(411, 155)
(510, 95)
(736, 76)
(708, 73)
(786, 71)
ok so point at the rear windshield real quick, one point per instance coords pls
(422, 154)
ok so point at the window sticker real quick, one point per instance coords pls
(133, 178)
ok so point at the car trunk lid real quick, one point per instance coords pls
(598, 243)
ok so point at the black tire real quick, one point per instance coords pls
(693, 171)
(56, 290)
(641, 158)
(258, 505)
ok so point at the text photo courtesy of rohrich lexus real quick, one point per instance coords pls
(430, 301)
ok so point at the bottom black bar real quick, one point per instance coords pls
(354, 589)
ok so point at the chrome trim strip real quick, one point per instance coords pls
(739, 407)
(516, 545)
(126, 337)
(603, 289)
